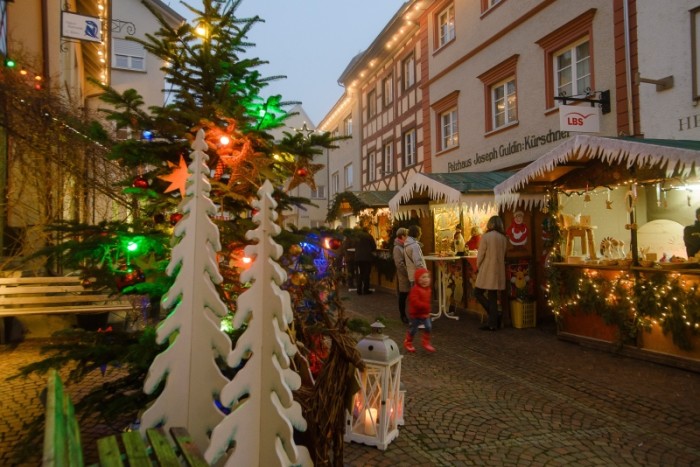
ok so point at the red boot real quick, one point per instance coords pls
(426, 342)
(408, 343)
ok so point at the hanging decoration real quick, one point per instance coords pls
(178, 177)
(608, 202)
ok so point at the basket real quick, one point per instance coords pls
(523, 314)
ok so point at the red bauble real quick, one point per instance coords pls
(302, 172)
(128, 276)
(335, 243)
(175, 218)
(140, 182)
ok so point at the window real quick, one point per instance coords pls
(335, 133)
(128, 55)
(445, 111)
(388, 151)
(319, 192)
(488, 4)
(409, 71)
(347, 125)
(371, 167)
(388, 85)
(500, 94)
(503, 103)
(446, 26)
(572, 70)
(409, 148)
(347, 170)
(371, 103)
(569, 58)
(335, 183)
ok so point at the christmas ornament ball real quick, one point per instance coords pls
(302, 172)
(295, 250)
(299, 279)
(335, 243)
(140, 182)
(175, 218)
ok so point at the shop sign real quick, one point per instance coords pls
(508, 149)
(579, 118)
(81, 27)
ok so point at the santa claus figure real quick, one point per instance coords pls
(517, 231)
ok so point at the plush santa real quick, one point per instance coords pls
(517, 231)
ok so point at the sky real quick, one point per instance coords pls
(311, 42)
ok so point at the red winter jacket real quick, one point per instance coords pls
(419, 298)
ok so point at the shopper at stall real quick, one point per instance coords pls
(458, 242)
(413, 252)
(404, 284)
(365, 246)
(474, 239)
(691, 236)
(491, 270)
(348, 252)
(419, 307)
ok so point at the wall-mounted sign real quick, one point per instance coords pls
(81, 27)
(579, 118)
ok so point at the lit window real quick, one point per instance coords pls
(409, 148)
(572, 70)
(501, 91)
(388, 151)
(503, 103)
(449, 135)
(128, 55)
(446, 25)
(335, 183)
(347, 170)
(409, 71)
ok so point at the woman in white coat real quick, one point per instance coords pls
(491, 270)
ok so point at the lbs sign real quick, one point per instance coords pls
(580, 118)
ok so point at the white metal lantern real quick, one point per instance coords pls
(377, 408)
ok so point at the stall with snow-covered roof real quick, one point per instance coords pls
(613, 213)
(441, 202)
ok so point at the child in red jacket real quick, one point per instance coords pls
(419, 307)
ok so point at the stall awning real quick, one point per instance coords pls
(356, 201)
(449, 188)
(672, 158)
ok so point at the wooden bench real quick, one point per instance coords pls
(53, 295)
(63, 448)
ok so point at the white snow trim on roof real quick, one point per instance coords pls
(404, 212)
(419, 182)
(520, 200)
(611, 151)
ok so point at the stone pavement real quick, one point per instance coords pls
(511, 397)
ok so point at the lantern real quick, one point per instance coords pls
(377, 407)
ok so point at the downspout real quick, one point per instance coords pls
(45, 40)
(628, 65)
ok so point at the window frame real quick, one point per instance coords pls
(348, 175)
(319, 192)
(388, 162)
(388, 92)
(371, 103)
(335, 182)
(488, 5)
(575, 30)
(695, 52)
(125, 48)
(499, 74)
(347, 125)
(414, 153)
(440, 39)
(446, 105)
(408, 59)
(371, 166)
(506, 112)
(574, 65)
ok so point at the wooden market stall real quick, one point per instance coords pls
(613, 212)
(440, 202)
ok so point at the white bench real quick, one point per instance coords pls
(53, 295)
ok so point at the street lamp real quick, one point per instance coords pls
(377, 407)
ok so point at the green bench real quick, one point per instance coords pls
(62, 446)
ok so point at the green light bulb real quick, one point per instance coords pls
(132, 246)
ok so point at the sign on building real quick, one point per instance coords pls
(81, 27)
(579, 118)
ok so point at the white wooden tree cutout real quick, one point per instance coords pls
(192, 377)
(263, 410)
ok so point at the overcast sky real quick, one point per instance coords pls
(311, 42)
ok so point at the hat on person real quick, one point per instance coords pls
(419, 272)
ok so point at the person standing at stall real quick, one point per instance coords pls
(365, 246)
(404, 284)
(458, 242)
(412, 251)
(475, 238)
(491, 270)
(691, 236)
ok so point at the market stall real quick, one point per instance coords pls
(612, 212)
(441, 202)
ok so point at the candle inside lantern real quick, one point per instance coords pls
(370, 420)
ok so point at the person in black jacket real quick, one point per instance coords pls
(365, 246)
(691, 236)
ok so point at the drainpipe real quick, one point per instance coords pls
(628, 65)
